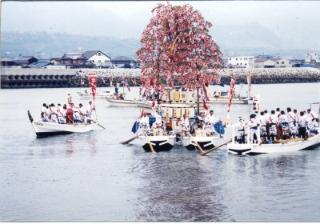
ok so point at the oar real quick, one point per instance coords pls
(151, 146)
(210, 150)
(130, 140)
(98, 124)
(199, 147)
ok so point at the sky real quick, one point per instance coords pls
(128, 19)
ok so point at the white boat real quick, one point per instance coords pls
(45, 129)
(121, 103)
(224, 100)
(204, 142)
(284, 146)
(101, 95)
(157, 143)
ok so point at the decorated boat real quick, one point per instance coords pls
(281, 146)
(45, 129)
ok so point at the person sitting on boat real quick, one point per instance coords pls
(200, 131)
(43, 112)
(254, 129)
(185, 125)
(83, 113)
(157, 130)
(69, 114)
(273, 121)
(284, 125)
(303, 125)
(53, 117)
(310, 116)
(144, 123)
(76, 115)
(314, 127)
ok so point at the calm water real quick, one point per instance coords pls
(91, 177)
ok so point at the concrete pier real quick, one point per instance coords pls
(58, 78)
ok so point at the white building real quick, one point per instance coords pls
(98, 58)
(272, 63)
(240, 61)
(312, 58)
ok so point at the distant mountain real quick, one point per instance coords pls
(252, 39)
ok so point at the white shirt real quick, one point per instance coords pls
(262, 120)
(283, 118)
(290, 117)
(83, 111)
(144, 121)
(303, 121)
(43, 109)
(211, 119)
(273, 118)
(253, 123)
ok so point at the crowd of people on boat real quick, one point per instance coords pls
(278, 125)
(202, 125)
(68, 113)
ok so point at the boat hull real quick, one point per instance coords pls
(205, 142)
(45, 129)
(254, 149)
(121, 103)
(158, 143)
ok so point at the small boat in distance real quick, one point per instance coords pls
(87, 96)
(45, 129)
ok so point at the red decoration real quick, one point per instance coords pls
(177, 47)
(231, 92)
(92, 83)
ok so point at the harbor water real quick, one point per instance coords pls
(92, 177)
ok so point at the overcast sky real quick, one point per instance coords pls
(128, 19)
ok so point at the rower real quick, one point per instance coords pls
(210, 118)
(144, 123)
(76, 115)
(240, 138)
(60, 114)
(314, 127)
(185, 125)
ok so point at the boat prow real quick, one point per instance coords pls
(157, 143)
(203, 142)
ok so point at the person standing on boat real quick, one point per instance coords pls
(254, 129)
(284, 126)
(267, 121)
(263, 127)
(69, 114)
(273, 126)
(89, 110)
(69, 98)
(83, 113)
(144, 123)
(60, 114)
(278, 112)
(185, 125)
(303, 125)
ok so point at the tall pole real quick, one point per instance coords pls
(198, 106)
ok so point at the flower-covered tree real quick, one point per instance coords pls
(177, 48)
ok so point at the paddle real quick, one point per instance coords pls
(199, 147)
(210, 150)
(98, 124)
(151, 146)
(130, 140)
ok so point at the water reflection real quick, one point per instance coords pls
(179, 186)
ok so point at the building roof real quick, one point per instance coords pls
(23, 59)
(72, 56)
(40, 63)
(122, 58)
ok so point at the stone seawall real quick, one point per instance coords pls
(58, 78)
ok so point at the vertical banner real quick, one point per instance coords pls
(92, 83)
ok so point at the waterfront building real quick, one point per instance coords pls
(240, 62)
(98, 58)
(272, 62)
(124, 62)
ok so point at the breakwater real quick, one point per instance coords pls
(12, 78)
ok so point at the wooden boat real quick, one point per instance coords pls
(284, 146)
(45, 129)
(157, 143)
(121, 102)
(88, 96)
